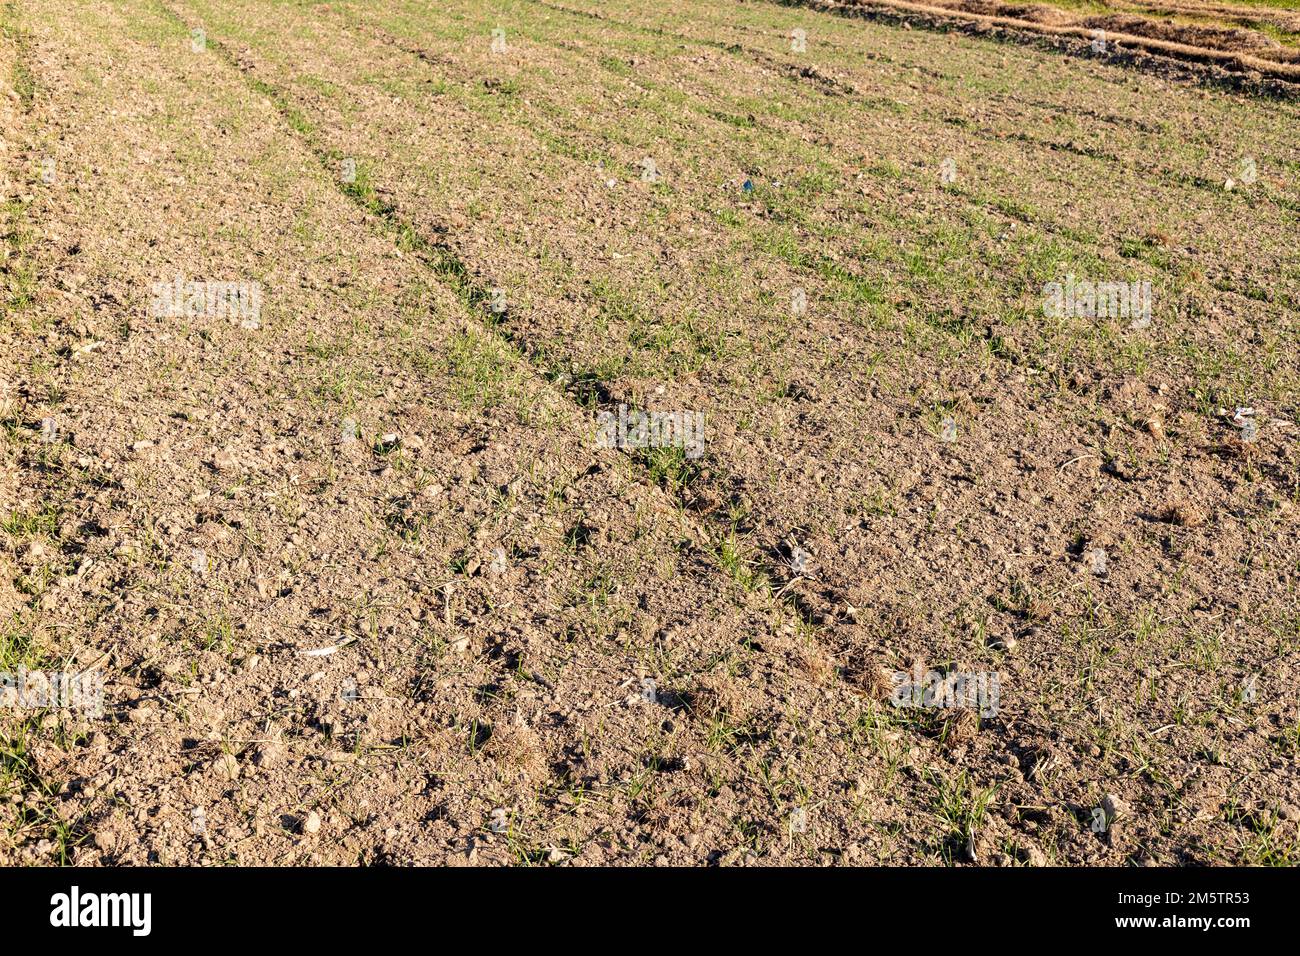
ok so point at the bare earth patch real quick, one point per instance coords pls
(314, 315)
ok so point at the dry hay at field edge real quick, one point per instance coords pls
(1238, 50)
(1288, 20)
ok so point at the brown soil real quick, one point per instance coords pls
(436, 623)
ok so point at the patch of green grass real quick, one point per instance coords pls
(959, 805)
(615, 65)
(19, 774)
(738, 561)
(18, 646)
(670, 468)
(218, 633)
(19, 277)
(1269, 841)
(24, 525)
(481, 370)
(23, 80)
(731, 119)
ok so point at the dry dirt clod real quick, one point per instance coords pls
(225, 461)
(961, 728)
(269, 756)
(1113, 807)
(1184, 513)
